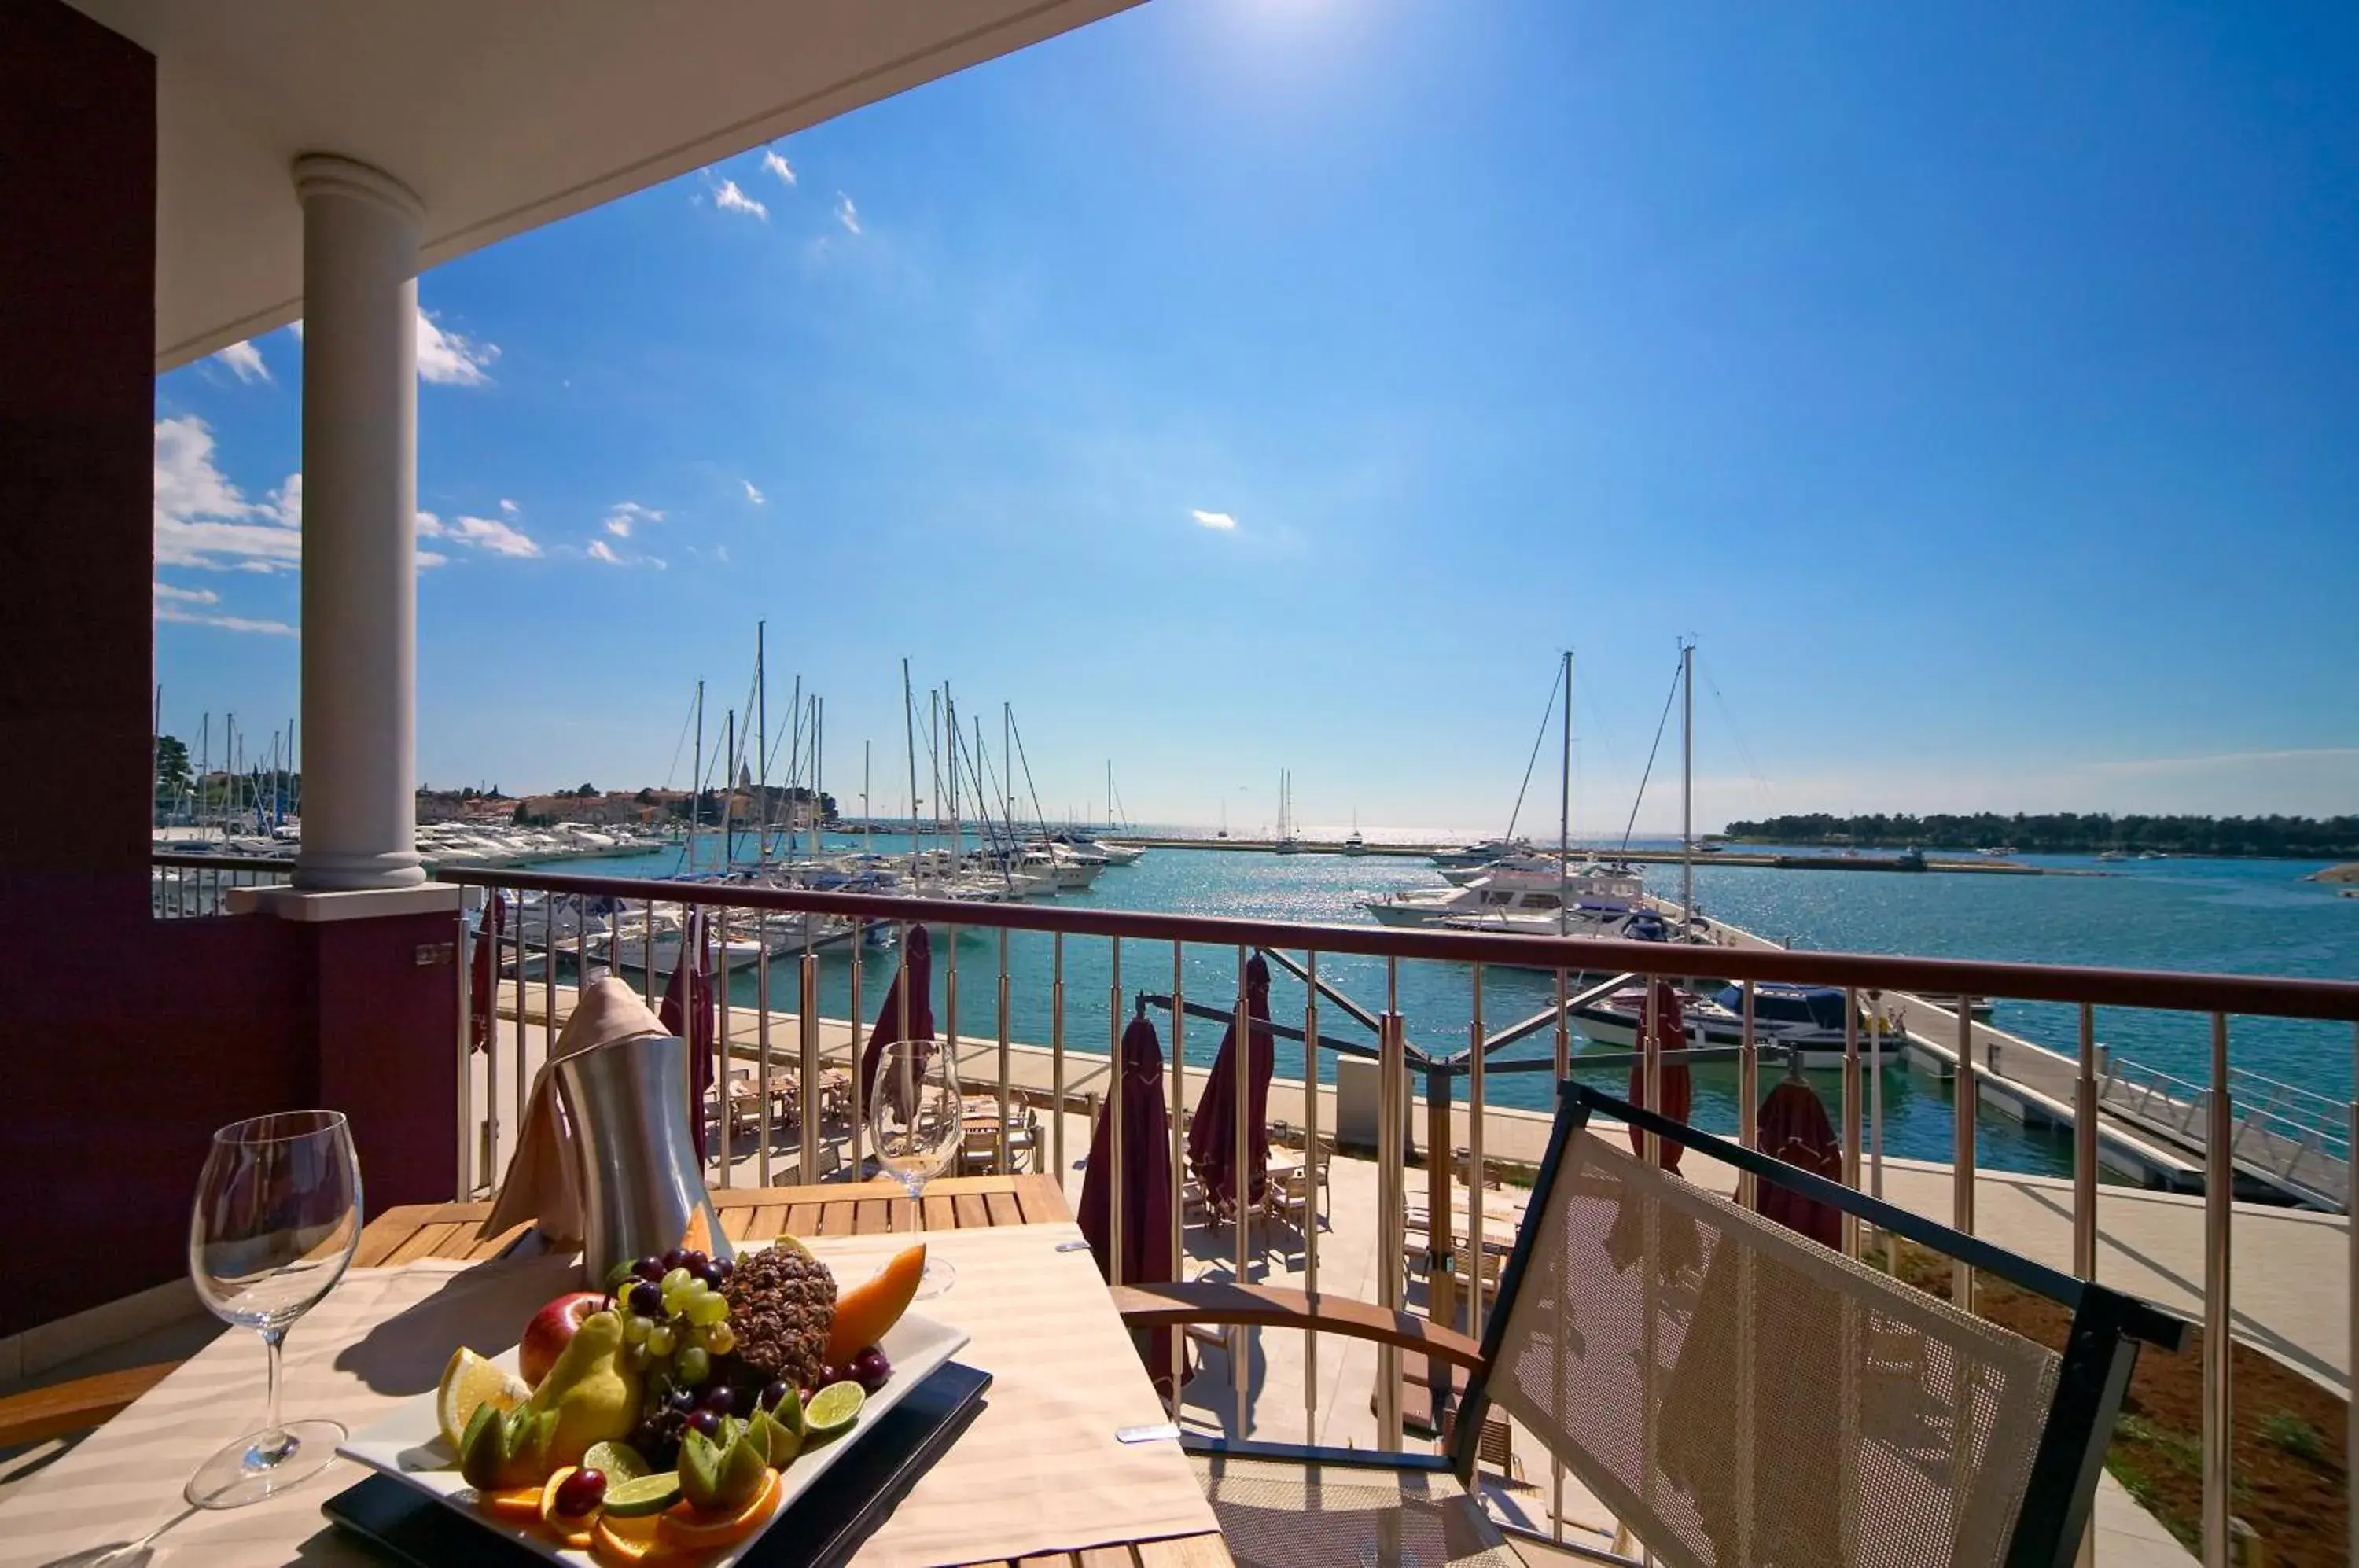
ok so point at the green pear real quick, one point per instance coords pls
(593, 1391)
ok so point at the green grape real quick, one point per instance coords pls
(635, 1329)
(694, 1365)
(709, 1308)
(659, 1342)
(720, 1339)
(679, 1279)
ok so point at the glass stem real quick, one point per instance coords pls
(273, 1442)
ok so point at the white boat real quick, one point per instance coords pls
(1505, 866)
(1805, 1018)
(626, 948)
(1484, 852)
(1593, 900)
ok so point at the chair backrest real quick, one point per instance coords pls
(1734, 1391)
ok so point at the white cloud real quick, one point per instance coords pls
(846, 213)
(1219, 520)
(246, 360)
(226, 623)
(508, 507)
(203, 520)
(489, 534)
(448, 358)
(599, 551)
(778, 165)
(497, 537)
(431, 558)
(186, 596)
(730, 198)
(627, 516)
(751, 494)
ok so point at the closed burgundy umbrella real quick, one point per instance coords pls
(892, 1024)
(1145, 1190)
(1212, 1136)
(1794, 1127)
(485, 975)
(688, 1012)
(1679, 1083)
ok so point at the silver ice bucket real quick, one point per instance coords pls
(641, 1179)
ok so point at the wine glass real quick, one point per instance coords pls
(276, 1222)
(913, 1124)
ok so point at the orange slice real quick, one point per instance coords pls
(629, 1543)
(684, 1527)
(866, 1313)
(570, 1531)
(518, 1505)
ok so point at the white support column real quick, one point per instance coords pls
(360, 520)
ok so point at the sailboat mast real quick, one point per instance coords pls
(1687, 785)
(1007, 768)
(958, 829)
(909, 744)
(1564, 812)
(695, 784)
(728, 786)
(818, 774)
(762, 747)
(868, 817)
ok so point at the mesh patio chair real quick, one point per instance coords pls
(1732, 1391)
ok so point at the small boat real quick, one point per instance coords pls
(1594, 898)
(1808, 1019)
(1484, 852)
(2001, 853)
(2112, 854)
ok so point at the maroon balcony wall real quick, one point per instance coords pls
(124, 1040)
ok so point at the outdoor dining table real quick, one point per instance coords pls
(1006, 1233)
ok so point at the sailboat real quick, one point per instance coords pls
(1356, 844)
(1286, 842)
(1224, 819)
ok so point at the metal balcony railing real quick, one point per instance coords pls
(780, 942)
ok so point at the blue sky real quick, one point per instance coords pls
(1981, 391)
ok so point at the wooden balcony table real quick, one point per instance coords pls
(1041, 1463)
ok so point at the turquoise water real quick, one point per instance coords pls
(2251, 917)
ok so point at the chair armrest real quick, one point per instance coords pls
(38, 1414)
(1265, 1306)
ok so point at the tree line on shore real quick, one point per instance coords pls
(2068, 833)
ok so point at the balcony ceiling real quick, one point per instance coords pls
(502, 116)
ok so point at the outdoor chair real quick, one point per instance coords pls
(1730, 1391)
(1287, 1198)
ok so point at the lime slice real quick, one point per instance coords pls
(620, 1461)
(643, 1494)
(833, 1411)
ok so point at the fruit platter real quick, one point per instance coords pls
(669, 1418)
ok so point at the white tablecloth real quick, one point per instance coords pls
(1038, 1471)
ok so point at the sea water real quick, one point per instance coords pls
(2253, 916)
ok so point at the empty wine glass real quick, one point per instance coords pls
(277, 1219)
(913, 1123)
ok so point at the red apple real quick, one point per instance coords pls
(551, 1329)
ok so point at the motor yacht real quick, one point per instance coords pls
(1484, 853)
(1809, 1019)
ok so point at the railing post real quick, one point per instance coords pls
(1476, 1110)
(1178, 1159)
(1310, 1168)
(1241, 1187)
(858, 1047)
(1057, 1062)
(762, 1050)
(463, 1182)
(1007, 1062)
(1748, 1093)
(1115, 1118)
(2219, 1325)
(1391, 1219)
(808, 1097)
(1961, 1167)
(1850, 1115)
